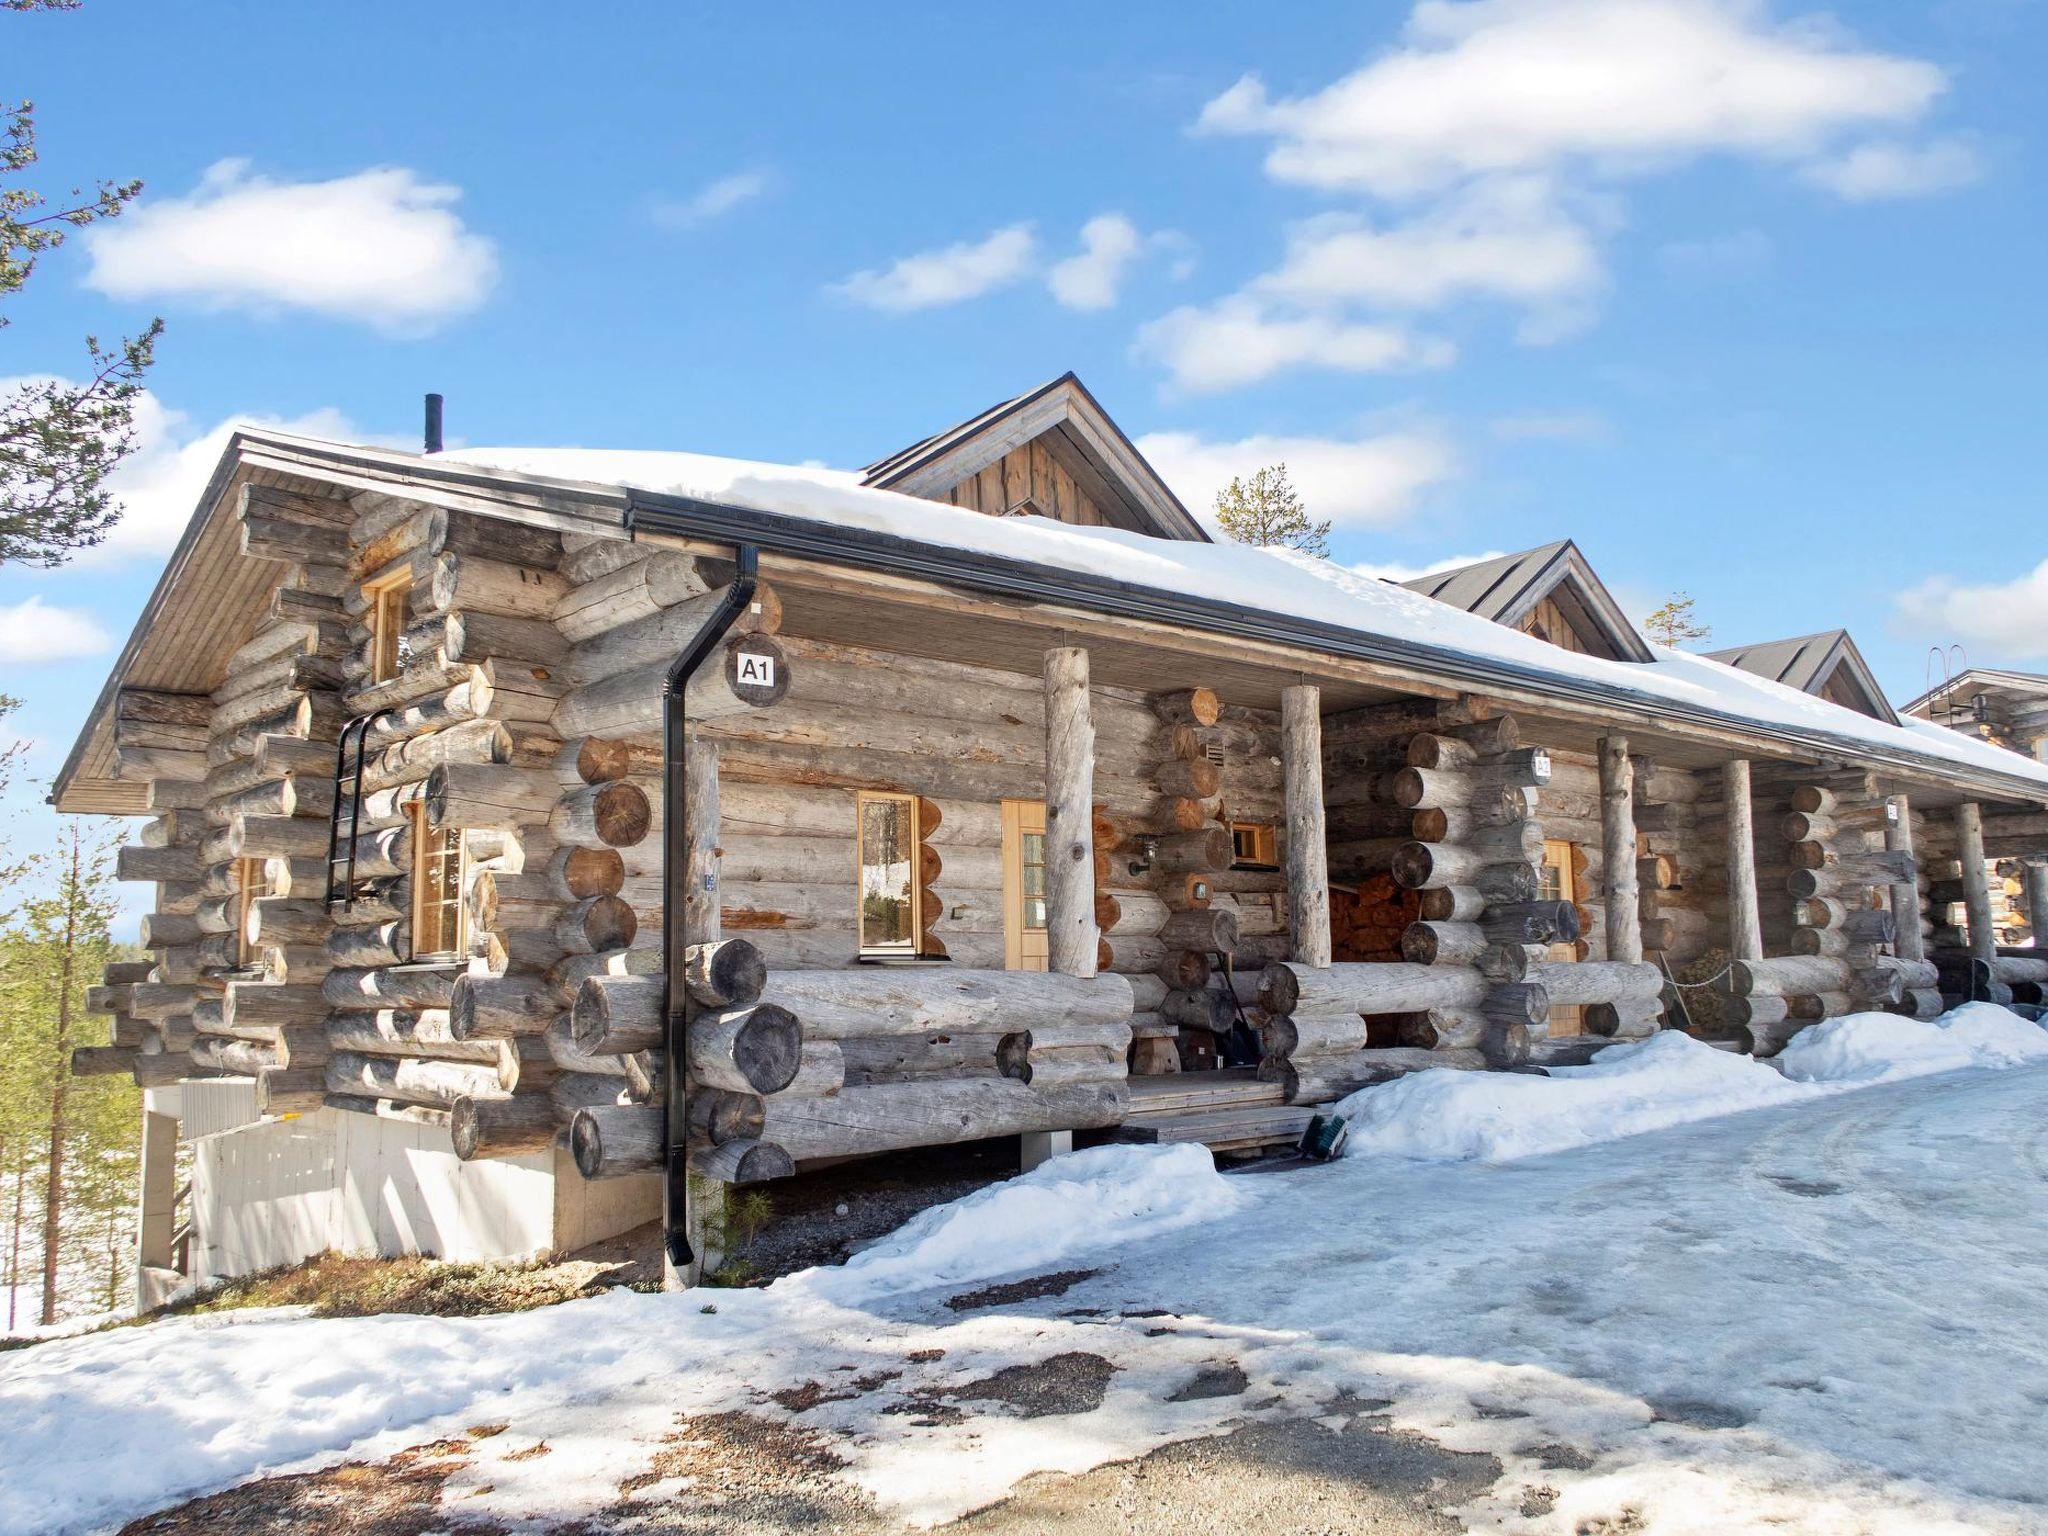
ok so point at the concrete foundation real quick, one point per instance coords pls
(280, 1191)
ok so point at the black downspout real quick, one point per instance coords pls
(674, 807)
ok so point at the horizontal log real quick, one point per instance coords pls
(1788, 976)
(1286, 988)
(500, 1007)
(889, 1116)
(744, 1161)
(754, 1049)
(501, 1127)
(874, 1000)
(1598, 981)
(411, 1080)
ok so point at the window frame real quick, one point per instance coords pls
(386, 597)
(251, 881)
(426, 846)
(1265, 852)
(913, 947)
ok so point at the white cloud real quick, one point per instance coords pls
(2003, 620)
(1504, 237)
(381, 246)
(1242, 339)
(1487, 146)
(33, 631)
(1880, 170)
(1517, 85)
(948, 276)
(1353, 482)
(1398, 572)
(714, 200)
(1110, 245)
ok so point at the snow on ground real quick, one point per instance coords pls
(1819, 1313)
(1669, 1079)
(1091, 1199)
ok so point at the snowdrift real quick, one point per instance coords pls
(1668, 1079)
(1099, 1198)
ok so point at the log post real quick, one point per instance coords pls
(1308, 873)
(1976, 884)
(1072, 939)
(1071, 935)
(703, 1197)
(2034, 874)
(1908, 943)
(1618, 847)
(1745, 921)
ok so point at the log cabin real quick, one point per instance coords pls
(544, 841)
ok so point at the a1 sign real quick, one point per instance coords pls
(753, 669)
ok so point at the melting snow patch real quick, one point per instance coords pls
(1882, 1047)
(1098, 1198)
(1447, 1116)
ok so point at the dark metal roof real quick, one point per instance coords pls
(1809, 663)
(1507, 588)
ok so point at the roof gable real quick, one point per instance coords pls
(1541, 591)
(1959, 692)
(1827, 665)
(1052, 451)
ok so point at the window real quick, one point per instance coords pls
(1024, 941)
(252, 880)
(890, 919)
(1253, 846)
(437, 926)
(386, 618)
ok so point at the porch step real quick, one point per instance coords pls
(1236, 1129)
(1177, 1092)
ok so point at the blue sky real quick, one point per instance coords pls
(1744, 298)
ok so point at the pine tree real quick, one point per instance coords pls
(59, 439)
(1266, 511)
(81, 1135)
(1674, 623)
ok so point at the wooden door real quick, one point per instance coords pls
(1024, 947)
(1561, 883)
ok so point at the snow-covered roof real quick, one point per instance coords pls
(1810, 663)
(1277, 582)
(1507, 588)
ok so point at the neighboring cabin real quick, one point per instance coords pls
(999, 802)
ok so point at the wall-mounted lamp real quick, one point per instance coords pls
(1146, 850)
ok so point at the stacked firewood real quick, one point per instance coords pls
(1367, 919)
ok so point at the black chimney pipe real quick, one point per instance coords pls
(433, 423)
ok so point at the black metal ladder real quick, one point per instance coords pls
(341, 850)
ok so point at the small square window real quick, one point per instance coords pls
(1253, 845)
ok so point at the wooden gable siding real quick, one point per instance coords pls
(1546, 621)
(1028, 472)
